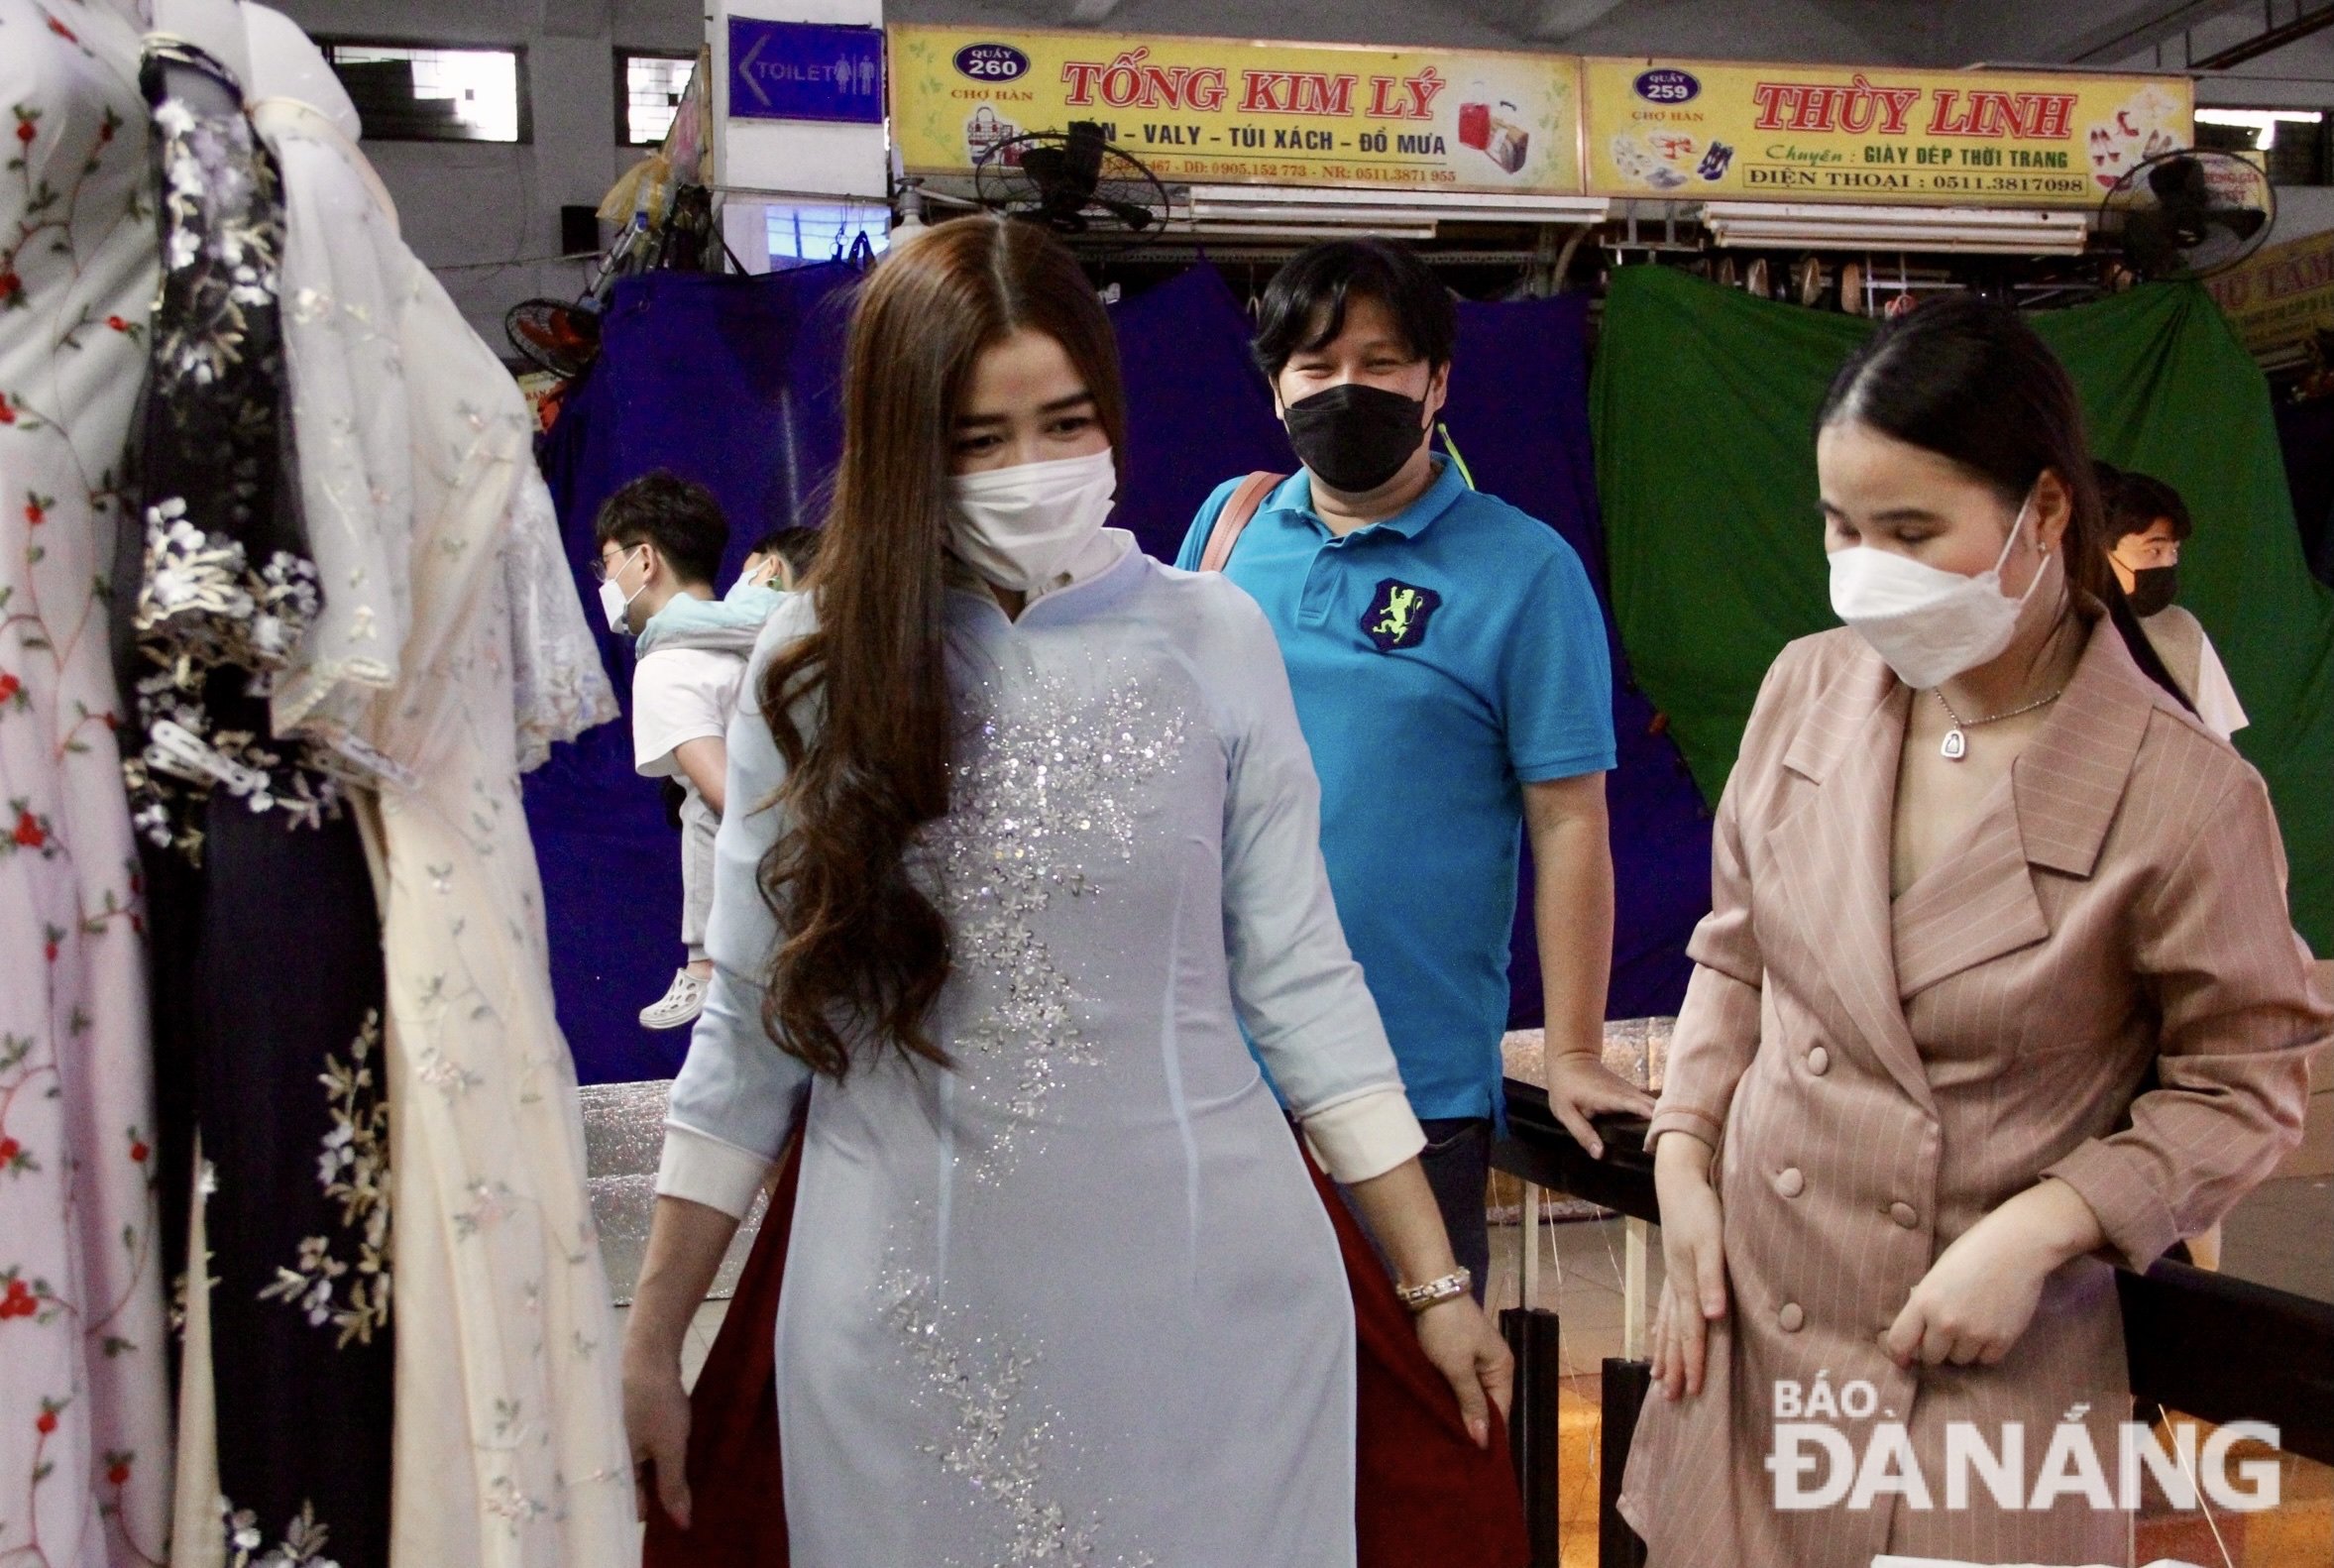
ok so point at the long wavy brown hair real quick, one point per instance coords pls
(862, 708)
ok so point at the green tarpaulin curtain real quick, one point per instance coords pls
(1704, 402)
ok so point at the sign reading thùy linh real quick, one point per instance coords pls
(1694, 130)
(1225, 111)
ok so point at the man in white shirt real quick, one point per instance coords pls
(2147, 523)
(661, 540)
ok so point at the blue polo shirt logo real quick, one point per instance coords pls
(1399, 613)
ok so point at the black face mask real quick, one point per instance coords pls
(1356, 437)
(2152, 589)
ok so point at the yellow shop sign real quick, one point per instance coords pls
(1696, 129)
(2282, 298)
(1226, 111)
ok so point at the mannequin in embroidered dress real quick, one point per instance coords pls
(449, 655)
(1997, 985)
(85, 1414)
(267, 1053)
(1060, 1286)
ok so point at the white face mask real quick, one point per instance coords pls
(1021, 528)
(613, 600)
(1929, 625)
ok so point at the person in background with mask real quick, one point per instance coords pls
(1026, 837)
(661, 540)
(781, 559)
(2147, 525)
(1448, 660)
(1997, 989)
(777, 564)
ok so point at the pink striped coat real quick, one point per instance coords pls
(2099, 985)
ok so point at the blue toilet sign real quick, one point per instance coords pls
(805, 71)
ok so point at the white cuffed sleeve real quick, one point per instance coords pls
(1364, 1135)
(707, 1171)
(733, 1102)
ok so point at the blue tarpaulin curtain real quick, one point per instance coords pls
(729, 381)
(732, 381)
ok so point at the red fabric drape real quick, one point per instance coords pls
(1423, 1494)
(737, 1496)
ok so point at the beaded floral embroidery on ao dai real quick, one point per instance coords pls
(1073, 1300)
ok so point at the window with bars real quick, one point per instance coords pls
(803, 233)
(648, 89)
(428, 93)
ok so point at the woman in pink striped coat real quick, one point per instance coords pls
(1997, 989)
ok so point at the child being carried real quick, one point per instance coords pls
(661, 540)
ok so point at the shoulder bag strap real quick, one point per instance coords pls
(1237, 510)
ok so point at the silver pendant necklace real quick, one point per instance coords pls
(1956, 743)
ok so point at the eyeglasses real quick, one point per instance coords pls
(605, 568)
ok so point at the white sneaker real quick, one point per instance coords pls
(680, 1004)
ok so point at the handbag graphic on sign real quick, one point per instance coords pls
(1511, 142)
(1493, 133)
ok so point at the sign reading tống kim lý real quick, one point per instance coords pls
(1200, 110)
(1692, 130)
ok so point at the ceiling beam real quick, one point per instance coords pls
(1560, 19)
(576, 18)
(2269, 41)
(2126, 30)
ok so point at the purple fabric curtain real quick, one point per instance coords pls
(732, 381)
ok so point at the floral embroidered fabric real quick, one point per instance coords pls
(85, 1414)
(269, 1050)
(559, 687)
(302, 1545)
(451, 652)
(226, 590)
(344, 1282)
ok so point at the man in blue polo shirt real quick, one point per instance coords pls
(1448, 661)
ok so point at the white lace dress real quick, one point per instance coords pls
(454, 653)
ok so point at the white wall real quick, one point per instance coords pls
(477, 212)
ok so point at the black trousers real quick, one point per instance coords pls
(1457, 1159)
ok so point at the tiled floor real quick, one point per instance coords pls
(2284, 1236)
